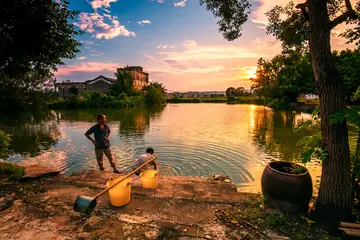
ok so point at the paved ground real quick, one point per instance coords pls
(180, 208)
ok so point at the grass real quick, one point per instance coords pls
(12, 189)
(11, 171)
(251, 211)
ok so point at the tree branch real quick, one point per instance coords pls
(303, 6)
(350, 13)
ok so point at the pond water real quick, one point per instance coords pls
(191, 139)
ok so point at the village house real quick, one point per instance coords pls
(101, 83)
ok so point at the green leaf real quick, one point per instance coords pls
(320, 154)
(350, 114)
(306, 155)
(309, 221)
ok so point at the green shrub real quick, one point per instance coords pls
(11, 171)
(4, 144)
(121, 96)
(154, 94)
(183, 100)
(231, 99)
(278, 104)
(213, 100)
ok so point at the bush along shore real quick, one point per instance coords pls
(101, 100)
(97, 101)
(153, 94)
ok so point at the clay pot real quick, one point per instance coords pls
(286, 190)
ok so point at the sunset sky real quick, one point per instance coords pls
(176, 41)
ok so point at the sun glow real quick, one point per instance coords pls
(251, 72)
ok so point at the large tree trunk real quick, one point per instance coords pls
(334, 202)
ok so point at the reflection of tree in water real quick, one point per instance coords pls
(31, 131)
(132, 120)
(274, 131)
(137, 120)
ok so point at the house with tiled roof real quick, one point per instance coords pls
(101, 83)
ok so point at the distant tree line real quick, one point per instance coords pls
(237, 92)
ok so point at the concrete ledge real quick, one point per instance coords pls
(36, 171)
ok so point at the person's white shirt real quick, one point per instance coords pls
(143, 158)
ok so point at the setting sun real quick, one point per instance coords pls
(251, 73)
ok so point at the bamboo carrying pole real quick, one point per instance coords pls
(127, 176)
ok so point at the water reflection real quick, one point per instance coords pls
(131, 121)
(191, 139)
(274, 132)
(31, 133)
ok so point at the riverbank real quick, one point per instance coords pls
(138, 101)
(180, 208)
(272, 103)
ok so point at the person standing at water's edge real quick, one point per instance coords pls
(101, 132)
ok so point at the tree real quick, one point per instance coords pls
(21, 92)
(356, 96)
(123, 84)
(230, 91)
(286, 76)
(313, 26)
(240, 91)
(36, 35)
(348, 64)
(334, 202)
(154, 93)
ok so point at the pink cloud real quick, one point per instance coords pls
(87, 21)
(101, 3)
(87, 67)
(190, 44)
(180, 4)
(103, 26)
(151, 58)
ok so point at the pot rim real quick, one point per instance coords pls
(288, 174)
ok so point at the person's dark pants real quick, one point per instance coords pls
(99, 157)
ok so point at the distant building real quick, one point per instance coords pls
(101, 83)
(169, 95)
(311, 96)
(140, 78)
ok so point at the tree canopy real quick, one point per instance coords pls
(36, 35)
(154, 93)
(123, 84)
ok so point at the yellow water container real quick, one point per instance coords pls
(149, 178)
(121, 193)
